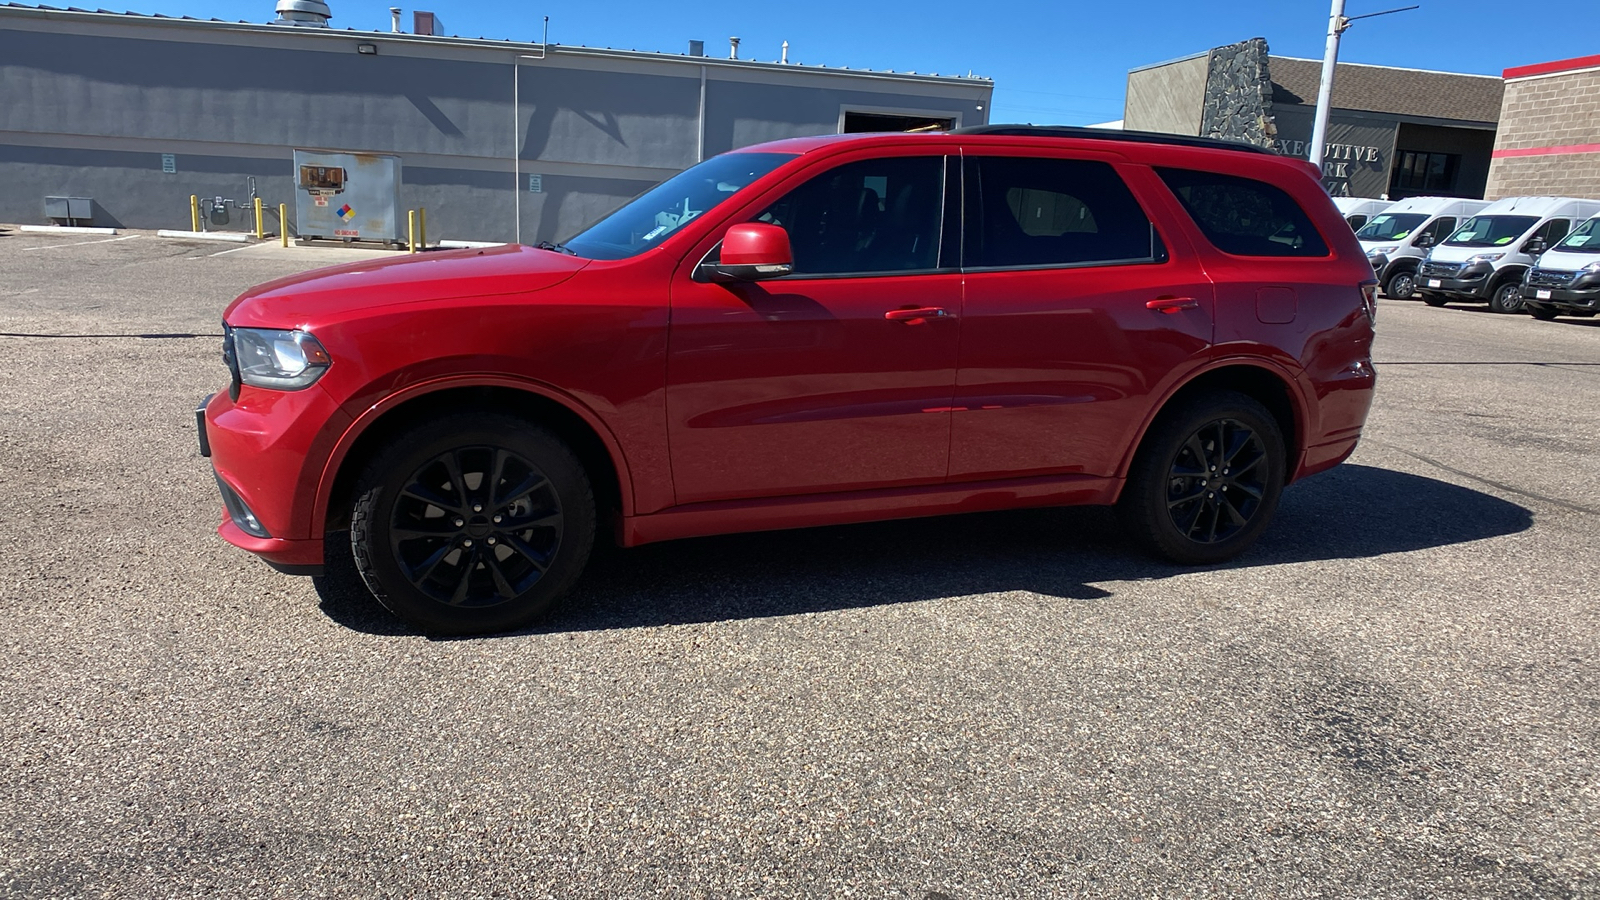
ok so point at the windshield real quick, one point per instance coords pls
(647, 220)
(1491, 231)
(1391, 227)
(1585, 240)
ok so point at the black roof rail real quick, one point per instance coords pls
(1111, 134)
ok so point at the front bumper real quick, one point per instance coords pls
(1474, 285)
(1562, 299)
(266, 451)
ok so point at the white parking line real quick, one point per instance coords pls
(81, 243)
(224, 252)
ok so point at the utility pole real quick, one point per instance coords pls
(1337, 23)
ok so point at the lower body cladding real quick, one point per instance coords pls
(1561, 301)
(1473, 285)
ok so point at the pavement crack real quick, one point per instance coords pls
(1574, 507)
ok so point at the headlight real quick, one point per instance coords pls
(1485, 257)
(1383, 251)
(281, 360)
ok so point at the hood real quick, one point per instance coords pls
(321, 295)
(1567, 261)
(1442, 253)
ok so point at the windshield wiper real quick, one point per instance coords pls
(558, 248)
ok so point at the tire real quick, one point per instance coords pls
(1543, 315)
(1434, 299)
(1401, 285)
(1506, 298)
(472, 523)
(1203, 523)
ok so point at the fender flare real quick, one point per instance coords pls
(367, 418)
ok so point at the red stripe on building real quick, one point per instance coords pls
(1547, 151)
(1562, 65)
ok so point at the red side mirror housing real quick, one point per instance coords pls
(753, 251)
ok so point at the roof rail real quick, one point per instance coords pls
(1111, 134)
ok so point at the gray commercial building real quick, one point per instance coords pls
(1391, 131)
(498, 140)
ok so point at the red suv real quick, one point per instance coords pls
(807, 332)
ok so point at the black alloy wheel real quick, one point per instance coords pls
(1206, 480)
(1401, 286)
(472, 523)
(1507, 297)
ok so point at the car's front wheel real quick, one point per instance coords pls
(1206, 480)
(1507, 298)
(472, 523)
(1401, 286)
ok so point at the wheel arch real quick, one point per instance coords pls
(1512, 272)
(1271, 388)
(588, 437)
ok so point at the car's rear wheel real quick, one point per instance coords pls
(1206, 480)
(1507, 298)
(472, 523)
(1401, 286)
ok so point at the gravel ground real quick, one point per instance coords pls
(1394, 695)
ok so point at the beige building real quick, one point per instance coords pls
(1549, 138)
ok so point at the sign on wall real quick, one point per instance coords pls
(1357, 156)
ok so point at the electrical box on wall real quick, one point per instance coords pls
(347, 196)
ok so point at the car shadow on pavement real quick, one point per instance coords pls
(1350, 512)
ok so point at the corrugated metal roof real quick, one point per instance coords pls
(974, 80)
(1383, 89)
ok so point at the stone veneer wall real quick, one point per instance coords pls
(1558, 112)
(1238, 99)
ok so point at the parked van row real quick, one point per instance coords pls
(1516, 254)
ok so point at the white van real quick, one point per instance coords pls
(1397, 238)
(1566, 279)
(1358, 210)
(1485, 259)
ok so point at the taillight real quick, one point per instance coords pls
(1369, 302)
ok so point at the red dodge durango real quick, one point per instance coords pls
(807, 332)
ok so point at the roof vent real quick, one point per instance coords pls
(733, 48)
(304, 13)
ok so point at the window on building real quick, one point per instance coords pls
(857, 122)
(868, 217)
(1025, 211)
(1420, 172)
(1243, 216)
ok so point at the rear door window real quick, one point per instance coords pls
(1040, 212)
(1245, 217)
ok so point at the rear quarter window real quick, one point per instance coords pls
(1243, 216)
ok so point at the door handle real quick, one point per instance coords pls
(1172, 304)
(910, 315)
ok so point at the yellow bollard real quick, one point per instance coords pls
(260, 232)
(283, 223)
(194, 212)
(422, 226)
(411, 224)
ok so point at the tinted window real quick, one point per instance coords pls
(647, 220)
(1441, 228)
(1356, 222)
(1052, 212)
(1553, 231)
(1243, 216)
(879, 215)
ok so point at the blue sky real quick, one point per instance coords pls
(1058, 63)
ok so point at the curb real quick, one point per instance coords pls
(64, 229)
(234, 236)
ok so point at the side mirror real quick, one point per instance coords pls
(753, 251)
(1423, 241)
(1534, 246)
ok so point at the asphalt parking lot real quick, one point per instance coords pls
(1396, 694)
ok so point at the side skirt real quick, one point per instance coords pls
(808, 511)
